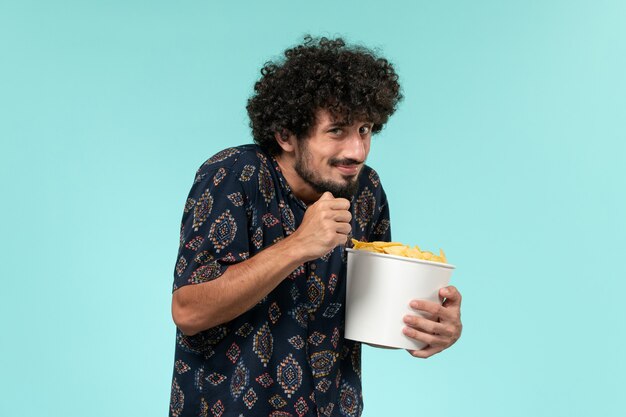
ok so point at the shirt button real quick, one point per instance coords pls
(313, 267)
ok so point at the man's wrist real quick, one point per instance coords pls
(293, 248)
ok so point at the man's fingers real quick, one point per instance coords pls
(429, 339)
(327, 200)
(435, 310)
(343, 216)
(326, 196)
(326, 224)
(342, 203)
(451, 298)
(338, 204)
(441, 325)
(451, 294)
(343, 228)
(428, 326)
(427, 352)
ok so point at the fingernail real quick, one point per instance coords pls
(415, 304)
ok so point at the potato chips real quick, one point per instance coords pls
(398, 249)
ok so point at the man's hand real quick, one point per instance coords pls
(440, 328)
(326, 224)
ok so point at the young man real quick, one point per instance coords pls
(259, 285)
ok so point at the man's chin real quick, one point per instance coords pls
(340, 187)
(345, 189)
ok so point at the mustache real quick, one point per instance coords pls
(345, 162)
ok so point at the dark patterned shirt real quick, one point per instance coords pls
(287, 355)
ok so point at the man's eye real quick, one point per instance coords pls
(336, 131)
(364, 130)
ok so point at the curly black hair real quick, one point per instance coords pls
(350, 82)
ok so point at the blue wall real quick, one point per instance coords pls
(508, 152)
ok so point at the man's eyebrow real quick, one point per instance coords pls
(341, 123)
(338, 123)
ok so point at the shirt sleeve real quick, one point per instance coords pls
(214, 230)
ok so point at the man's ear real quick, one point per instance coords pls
(286, 140)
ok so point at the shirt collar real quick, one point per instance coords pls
(285, 185)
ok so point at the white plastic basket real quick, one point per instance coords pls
(379, 290)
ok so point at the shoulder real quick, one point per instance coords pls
(244, 160)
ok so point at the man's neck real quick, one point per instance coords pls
(298, 186)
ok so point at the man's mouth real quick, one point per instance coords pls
(349, 169)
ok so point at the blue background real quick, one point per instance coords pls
(508, 152)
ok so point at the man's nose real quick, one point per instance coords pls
(356, 148)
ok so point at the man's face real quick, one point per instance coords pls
(332, 157)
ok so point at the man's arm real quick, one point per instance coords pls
(326, 224)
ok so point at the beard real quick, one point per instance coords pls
(344, 189)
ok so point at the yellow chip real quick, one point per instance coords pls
(380, 244)
(399, 249)
(376, 246)
(414, 253)
(368, 249)
(396, 250)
